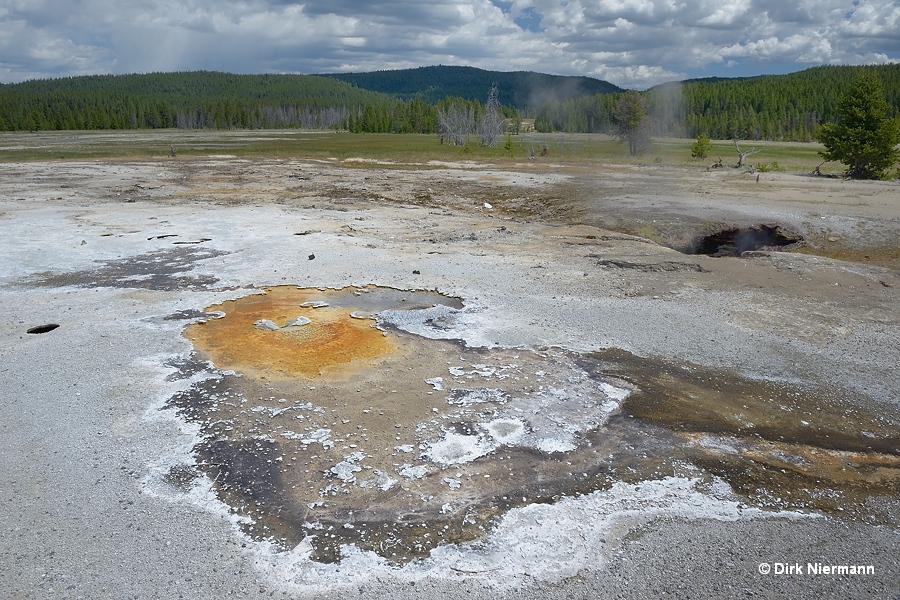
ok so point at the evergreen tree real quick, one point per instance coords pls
(701, 146)
(631, 116)
(863, 138)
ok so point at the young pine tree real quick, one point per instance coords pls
(630, 115)
(863, 138)
(700, 146)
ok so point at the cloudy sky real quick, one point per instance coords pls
(632, 43)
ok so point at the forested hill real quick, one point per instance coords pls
(777, 106)
(198, 99)
(768, 107)
(771, 107)
(519, 89)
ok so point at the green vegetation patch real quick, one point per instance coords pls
(387, 150)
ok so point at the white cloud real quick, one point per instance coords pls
(633, 43)
(727, 14)
(874, 20)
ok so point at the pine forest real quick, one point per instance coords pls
(771, 107)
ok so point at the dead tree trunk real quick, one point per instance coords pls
(743, 155)
(456, 123)
(491, 124)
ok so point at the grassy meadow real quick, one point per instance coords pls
(556, 148)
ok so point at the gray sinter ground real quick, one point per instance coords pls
(717, 412)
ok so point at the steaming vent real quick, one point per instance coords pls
(736, 241)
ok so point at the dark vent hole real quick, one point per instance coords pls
(43, 328)
(734, 242)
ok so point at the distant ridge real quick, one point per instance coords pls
(788, 107)
(184, 99)
(519, 89)
(762, 107)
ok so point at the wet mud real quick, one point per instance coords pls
(348, 429)
(779, 445)
(167, 270)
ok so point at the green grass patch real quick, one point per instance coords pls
(135, 144)
(564, 149)
(791, 157)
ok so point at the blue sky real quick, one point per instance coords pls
(631, 43)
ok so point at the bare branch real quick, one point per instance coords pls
(456, 123)
(742, 155)
(491, 124)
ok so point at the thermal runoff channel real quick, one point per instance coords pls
(356, 417)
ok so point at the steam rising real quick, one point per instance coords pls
(666, 104)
